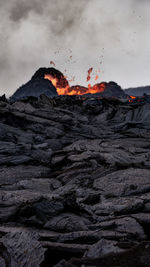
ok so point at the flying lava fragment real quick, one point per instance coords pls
(52, 63)
(89, 74)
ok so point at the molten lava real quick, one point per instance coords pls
(89, 74)
(96, 77)
(61, 84)
(133, 97)
(98, 88)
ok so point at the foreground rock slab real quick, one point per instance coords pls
(74, 182)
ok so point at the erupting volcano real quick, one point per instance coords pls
(52, 82)
(62, 86)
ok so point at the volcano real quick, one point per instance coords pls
(52, 82)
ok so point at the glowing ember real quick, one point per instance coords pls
(96, 77)
(133, 97)
(89, 74)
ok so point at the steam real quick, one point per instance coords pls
(76, 35)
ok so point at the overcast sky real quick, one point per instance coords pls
(112, 35)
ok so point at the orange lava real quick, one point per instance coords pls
(63, 88)
(133, 97)
(96, 77)
(98, 88)
(89, 74)
(52, 79)
(81, 90)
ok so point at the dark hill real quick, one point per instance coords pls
(112, 90)
(37, 85)
(138, 91)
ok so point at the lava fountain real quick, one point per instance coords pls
(62, 86)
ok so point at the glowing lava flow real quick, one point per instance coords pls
(132, 98)
(60, 85)
(63, 88)
(98, 88)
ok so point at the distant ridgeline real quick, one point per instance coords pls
(138, 91)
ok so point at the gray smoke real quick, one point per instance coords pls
(76, 35)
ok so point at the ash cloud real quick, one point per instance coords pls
(32, 31)
(20, 10)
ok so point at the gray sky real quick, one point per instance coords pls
(112, 35)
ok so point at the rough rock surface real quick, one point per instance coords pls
(74, 183)
(112, 89)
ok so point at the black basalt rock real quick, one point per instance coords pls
(74, 181)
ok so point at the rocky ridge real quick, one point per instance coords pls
(74, 182)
